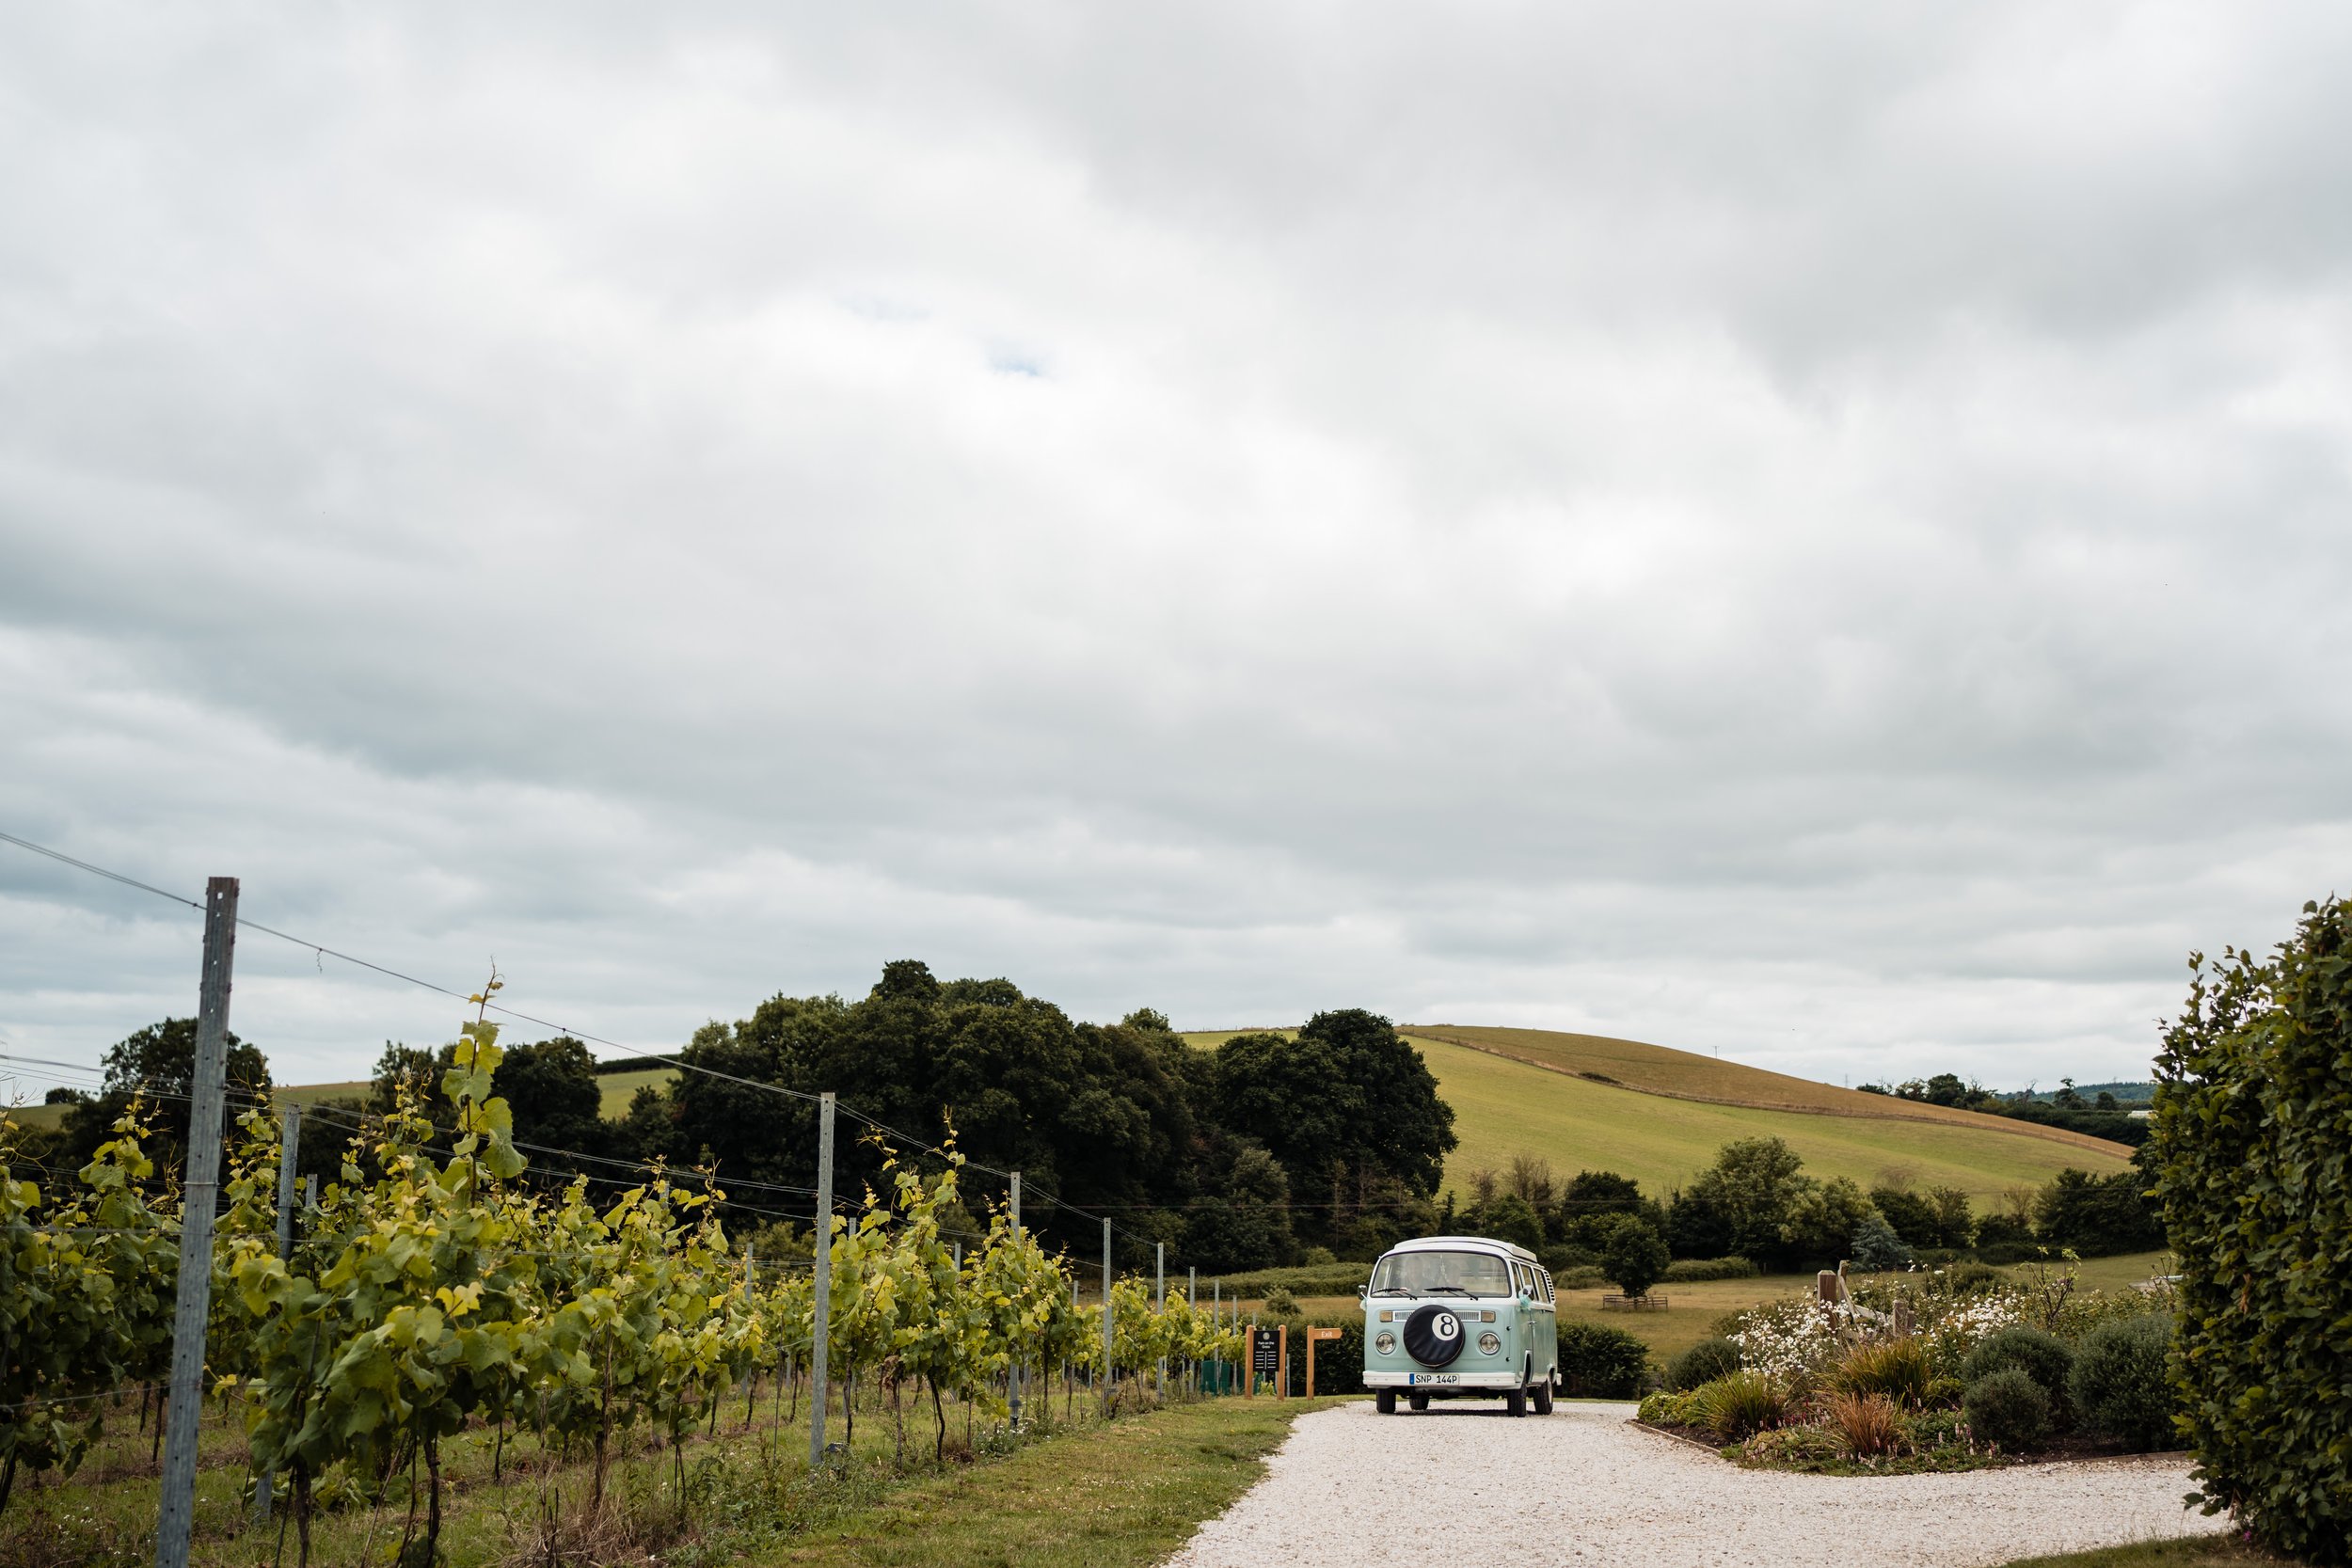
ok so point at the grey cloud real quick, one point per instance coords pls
(1810, 531)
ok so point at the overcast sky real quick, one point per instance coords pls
(1818, 532)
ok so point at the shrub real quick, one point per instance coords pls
(1739, 1405)
(1584, 1276)
(1279, 1303)
(1702, 1363)
(1634, 1257)
(1895, 1369)
(1876, 1247)
(1968, 1279)
(2040, 1357)
(2254, 1172)
(1866, 1424)
(1945, 1392)
(2010, 1409)
(2120, 1385)
(1600, 1362)
(1327, 1279)
(1559, 1259)
(1339, 1363)
(1665, 1409)
(1797, 1447)
(1689, 1271)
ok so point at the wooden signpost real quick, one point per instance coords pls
(1314, 1334)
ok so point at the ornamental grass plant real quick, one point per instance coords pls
(1741, 1405)
(1867, 1425)
(1895, 1369)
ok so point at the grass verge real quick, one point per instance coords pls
(1132, 1493)
(2200, 1551)
(1117, 1492)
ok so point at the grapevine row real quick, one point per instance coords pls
(427, 1296)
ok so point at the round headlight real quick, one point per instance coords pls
(1385, 1344)
(1489, 1344)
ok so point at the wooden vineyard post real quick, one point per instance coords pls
(1283, 1362)
(1314, 1335)
(176, 1515)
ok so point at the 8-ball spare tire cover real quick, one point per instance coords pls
(1432, 1334)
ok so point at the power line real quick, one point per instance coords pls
(322, 951)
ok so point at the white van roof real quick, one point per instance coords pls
(1456, 1243)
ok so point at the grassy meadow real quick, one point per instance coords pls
(1663, 1120)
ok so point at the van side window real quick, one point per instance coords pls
(1545, 1275)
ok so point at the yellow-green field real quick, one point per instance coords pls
(621, 1087)
(1537, 1101)
(1503, 1108)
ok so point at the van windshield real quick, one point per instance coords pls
(1476, 1273)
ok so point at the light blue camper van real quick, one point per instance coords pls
(1460, 1317)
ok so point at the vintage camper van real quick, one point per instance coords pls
(1460, 1317)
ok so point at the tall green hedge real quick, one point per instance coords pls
(2253, 1156)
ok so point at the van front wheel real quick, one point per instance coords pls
(1385, 1401)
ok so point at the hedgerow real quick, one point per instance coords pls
(2252, 1162)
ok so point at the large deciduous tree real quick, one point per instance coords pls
(1346, 1095)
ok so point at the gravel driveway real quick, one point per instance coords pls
(1351, 1489)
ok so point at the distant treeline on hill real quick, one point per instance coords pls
(2102, 1111)
(1272, 1150)
(1755, 1202)
(1250, 1156)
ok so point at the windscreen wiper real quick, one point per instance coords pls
(1433, 1290)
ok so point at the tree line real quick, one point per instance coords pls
(1755, 1202)
(1258, 1153)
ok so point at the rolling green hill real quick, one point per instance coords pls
(1586, 1101)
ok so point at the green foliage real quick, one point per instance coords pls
(1597, 1361)
(157, 1064)
(1740, 1404)
(2121, 1384)
(1876, 1247)
(1896, 1369)
(2096, 1215)
(86, 1298)
(1635, 1256)
(1671, 1407)
(2009, 1407)
(1328, 1280)
(1702, 1363)
(2040, 1355)
(2252, 1160)
(1508, 1218)
(1821, 1221)
(1745, 1198)
(1694, 1270)
(1969, 1278)
(1345, 1095)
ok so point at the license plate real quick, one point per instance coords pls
(1417, 1379)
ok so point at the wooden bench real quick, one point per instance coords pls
(1651, 1302)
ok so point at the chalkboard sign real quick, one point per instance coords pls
(1264, 1353)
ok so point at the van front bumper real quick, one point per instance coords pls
(1441, 1381)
